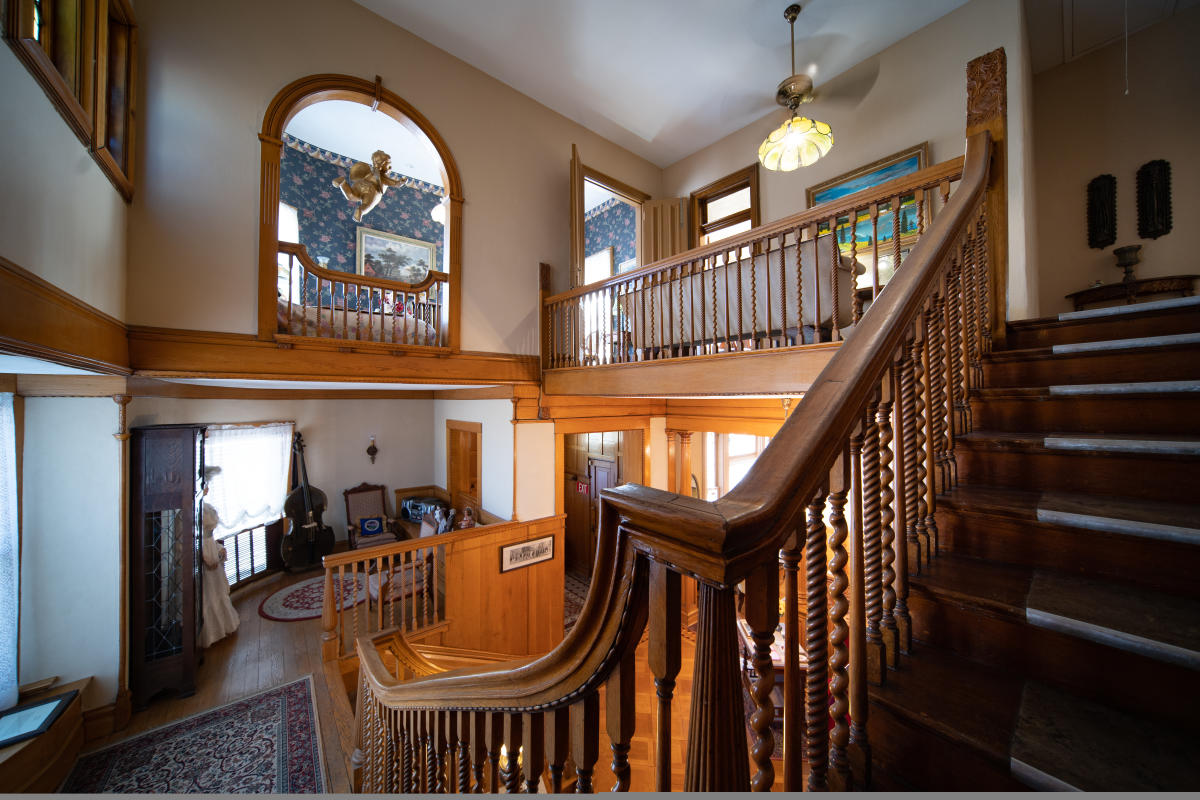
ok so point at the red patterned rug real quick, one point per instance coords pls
(304, 600)
(268, 743)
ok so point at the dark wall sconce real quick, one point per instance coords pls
(1154, 199)
(372, 450)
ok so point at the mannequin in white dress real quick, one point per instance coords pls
(220, 617)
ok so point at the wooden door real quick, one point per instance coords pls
(463, 464)
(602, 474)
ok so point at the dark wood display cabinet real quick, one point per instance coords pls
(166, 465)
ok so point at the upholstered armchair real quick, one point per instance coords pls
(367, 501)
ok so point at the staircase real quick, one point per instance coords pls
(1058, 628)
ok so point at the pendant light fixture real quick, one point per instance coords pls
(799, 141)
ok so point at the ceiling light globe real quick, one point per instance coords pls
(798, 142)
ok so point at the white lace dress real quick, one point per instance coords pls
(220, 618)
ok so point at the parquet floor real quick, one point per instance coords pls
(260, 655)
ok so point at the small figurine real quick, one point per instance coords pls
(367, 183)
(444, 519)
(468, 519)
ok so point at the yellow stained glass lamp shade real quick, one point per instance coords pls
(798, 142)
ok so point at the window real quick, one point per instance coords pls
(606, 224)
(727, 459)
(83, 53)
(725, 207)
(10, 549)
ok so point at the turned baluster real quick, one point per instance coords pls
(906, 495)
(968, 327)
(406, 754)
(872, 545)
(450, 772)
(874, 251)
(511, 772)
(856, 304)
(479, 748)
(717, 759)
(835, 261)
(437, 730)
(753, 296)
(817, 637)
(463, 727)
(839, 634)
(534, 749)
(783, 288)
(361, 699)
(682, 335)
(494, 736)
(887, 533)
(585, 740)
(558, 744)
(956, 300)
(934, 422)
(790, 557)
(816, 320)
(981, 258)
(712, 271)
(619, 711)
(383, 588)
(304, 301)
(896, 233)
(762, 615)
(354, 594)
(861, 748)
(341, 616)
(665, 620)
(741, 306)
(330, 643)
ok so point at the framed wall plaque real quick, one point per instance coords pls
(1102, 211)
(524, 554)
(1154, 199)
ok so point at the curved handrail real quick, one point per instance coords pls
(725, 539)
(300, 251)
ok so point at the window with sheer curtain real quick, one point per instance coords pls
(9, 553)
(254, 461)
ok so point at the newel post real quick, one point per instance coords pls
(987, 110)
(329, 638)
(717, 757)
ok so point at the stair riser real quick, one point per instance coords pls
(1100, 329)
(1090, 414)
(1115, 677)
(921, 757)
(1153, 563)
(1110, 366)
(1166, 478)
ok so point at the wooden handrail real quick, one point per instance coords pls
(300, 251)
(928, 178)
(408, 545)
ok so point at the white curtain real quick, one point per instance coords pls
(254, 462)
(10, 567)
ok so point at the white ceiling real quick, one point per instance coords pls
(354, 130)
(664, 78)
(1064, 30)
(23, 365)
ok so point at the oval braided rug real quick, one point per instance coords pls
(304, 600)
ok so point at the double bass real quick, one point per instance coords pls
(309, 539)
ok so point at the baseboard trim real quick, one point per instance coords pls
(109, 719)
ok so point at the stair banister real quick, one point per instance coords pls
(719, 543)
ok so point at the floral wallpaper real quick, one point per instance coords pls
(327, 226)
(613, 222)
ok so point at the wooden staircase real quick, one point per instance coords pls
(1058, 626)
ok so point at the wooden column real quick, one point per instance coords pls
(685, 463)
(124, 706)
(987, 110)
(717, 758)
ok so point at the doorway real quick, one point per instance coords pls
(464, 464)
(594, 462)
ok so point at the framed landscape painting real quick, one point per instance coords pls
(393, 257)
(885, 169)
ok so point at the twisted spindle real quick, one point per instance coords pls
(839, 634)
(887, 534)
(816, 636)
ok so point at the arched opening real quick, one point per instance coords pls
(354, 245)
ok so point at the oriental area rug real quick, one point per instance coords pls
(304, 600)
(268, 743)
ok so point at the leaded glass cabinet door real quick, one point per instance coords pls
(164, 579)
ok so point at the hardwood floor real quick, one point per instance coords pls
(262, 654)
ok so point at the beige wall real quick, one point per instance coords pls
(60, 218)
(535, 482)
(336, 435)
(497, 443)
(1086, 126)
(912, 92)
(212, 68)
(71, 534)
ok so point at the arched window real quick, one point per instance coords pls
(354, 246)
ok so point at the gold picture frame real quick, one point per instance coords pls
(379, 254)
(905, 162)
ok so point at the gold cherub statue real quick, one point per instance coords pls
(367, 183)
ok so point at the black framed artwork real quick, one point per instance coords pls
(1102, 211)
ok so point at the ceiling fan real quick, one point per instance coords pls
(799, 141)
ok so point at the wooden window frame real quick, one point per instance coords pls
(84, 108)
(301, 94)
(581, 173)
(734, 182)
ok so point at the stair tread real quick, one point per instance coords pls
(1083, 745)
(1085, 442)
(1130, 309)
(1027, 504)
(1143, 619)
(1000, 587)
(1171, 342)
(1123, 390)
(960, 699)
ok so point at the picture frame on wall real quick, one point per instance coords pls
(380, 254)
(524, 554)
(897, 165)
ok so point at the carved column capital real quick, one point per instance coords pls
(122, 401)
(987, 90)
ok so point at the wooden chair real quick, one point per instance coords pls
(363, 502)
